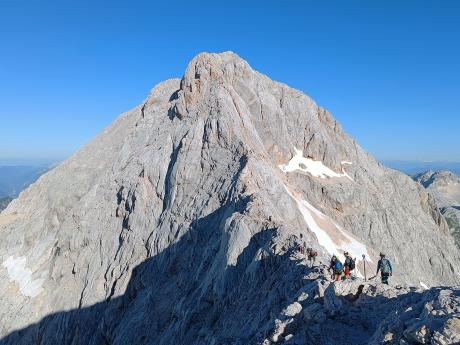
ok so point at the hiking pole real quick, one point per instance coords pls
(364, 261)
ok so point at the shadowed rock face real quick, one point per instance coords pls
(176, 223)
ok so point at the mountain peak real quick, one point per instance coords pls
(193, 203)
(203, 70)
(441, 177)
(214, 65)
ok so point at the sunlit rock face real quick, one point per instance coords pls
(444, 186)
(178, 223)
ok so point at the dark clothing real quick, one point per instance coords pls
(311, 254)
(384, 278)
(348, 262)
(348, 266)
(384, 266)
(337, 273)
(381, 265)
(301, 249)
(332, 264)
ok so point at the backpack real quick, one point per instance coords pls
(301, 248)
(338, 265)
(386, 268)
(352, 264)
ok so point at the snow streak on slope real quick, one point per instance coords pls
(308, 165)
(329, 234)
(18, 272)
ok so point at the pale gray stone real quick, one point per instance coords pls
(444, 186)
(177, 225)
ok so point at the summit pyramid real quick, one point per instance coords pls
(177, 224)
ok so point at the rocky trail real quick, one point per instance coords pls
(365, 312)
(310, 309)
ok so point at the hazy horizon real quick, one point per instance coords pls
(50, 161)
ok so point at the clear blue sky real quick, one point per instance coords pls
(389, 71)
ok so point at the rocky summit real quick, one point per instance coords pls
(179, 224)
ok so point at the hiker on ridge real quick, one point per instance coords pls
(301, 249)
(349, 264)
(301, 245)
(384, 266)
(336, 267)
(311, 255)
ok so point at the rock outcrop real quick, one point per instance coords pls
(359, 312)
(444, 186)
(177, 224)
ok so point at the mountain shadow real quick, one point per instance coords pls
(181, 292)
(183, 296)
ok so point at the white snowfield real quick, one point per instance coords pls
(19, 273)
(335, 240)
(308, 165)
(423, 285)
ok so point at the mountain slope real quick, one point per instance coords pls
(304, 307)
(176, 223)
(445, 187)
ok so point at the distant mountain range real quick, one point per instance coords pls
(15, 178)
(417, 167)
(4, 202)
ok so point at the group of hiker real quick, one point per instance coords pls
(342, 271)
(338, 268)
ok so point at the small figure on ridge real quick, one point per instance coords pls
(384, 266)
(311, 255)
(336, 267)
(349, 265)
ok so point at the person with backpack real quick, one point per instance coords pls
(301, 245)
(301, 248)
(349, 265)
(311, 255)
(384, 266)
(336, 267)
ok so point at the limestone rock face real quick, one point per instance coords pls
(444, 186)
(178, 222)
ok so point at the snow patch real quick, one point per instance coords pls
(423, 285)
(308, 165)
(332, 246)
(19, 273)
